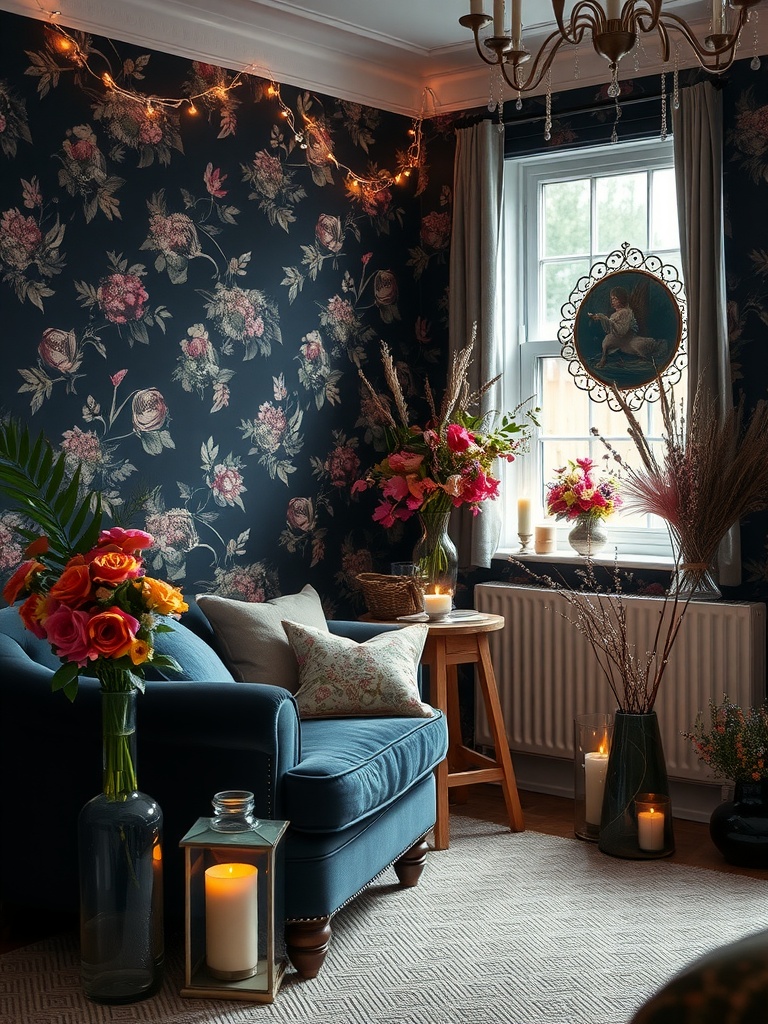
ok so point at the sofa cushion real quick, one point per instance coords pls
(199, 662)
(354, 767)
(252, 640)
(338, 676)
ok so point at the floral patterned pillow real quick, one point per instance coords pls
(339, 677)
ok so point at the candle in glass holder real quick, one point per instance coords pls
(437, 605)
(650, 830)
(595, 765)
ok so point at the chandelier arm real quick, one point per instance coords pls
(703, 53)
(541, 64)
(630, 14)
(486, 60)
(586, 14)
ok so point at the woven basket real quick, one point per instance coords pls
(388, 597)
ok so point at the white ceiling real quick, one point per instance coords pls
(383, 53)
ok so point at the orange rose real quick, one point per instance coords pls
(162, 598)
(112, 633)
(32, 614)
(73, 587)
(21, 579)
(139, 652)
(115, 567)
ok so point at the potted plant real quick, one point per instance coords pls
(735, 747)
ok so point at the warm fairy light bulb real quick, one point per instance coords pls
(107, 80)
(150, 110)
(192, 108)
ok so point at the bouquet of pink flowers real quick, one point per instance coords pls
(578, 491)
(449, 461)
(100, 612)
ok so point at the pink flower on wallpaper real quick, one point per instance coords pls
(436, 230)
(329, 233)
(58, 349)
(150, 132)
(227, 485)
(82, 445)
(300, 514)
(174, 234)
(376, 204)
(268, 177)
(32, 194)
(385, 288)
(312, 349)
(341, 312)
(214, 179)
(272, 426)
(20, 237)
(342, 466)
(118, 378)
(173, 530)
(149, 410)
(82, 150)
(122, 298)
(197, 345)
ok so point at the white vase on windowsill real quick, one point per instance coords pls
(588, 536)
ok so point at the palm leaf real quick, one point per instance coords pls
(33, 482)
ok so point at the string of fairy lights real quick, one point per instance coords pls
(309, 132)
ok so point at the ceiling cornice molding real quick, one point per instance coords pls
(322, 55)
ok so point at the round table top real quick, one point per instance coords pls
(486, 622)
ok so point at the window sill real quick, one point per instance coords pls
(568, 557)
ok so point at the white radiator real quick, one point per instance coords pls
(546, 672)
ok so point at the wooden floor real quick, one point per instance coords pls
(548, 814)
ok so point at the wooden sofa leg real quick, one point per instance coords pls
(410, 866)
(307, 943)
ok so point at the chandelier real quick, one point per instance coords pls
(615, 30)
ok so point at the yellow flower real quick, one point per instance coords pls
(161, 597)
(139, 651)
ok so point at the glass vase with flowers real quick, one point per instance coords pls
(86, 592)
(735, 748)
(446, 463)
(583, 495)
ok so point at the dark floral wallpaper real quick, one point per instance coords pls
(187, 298)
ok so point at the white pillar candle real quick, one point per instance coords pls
(498, 17)
(595, 765)
(524, 516)
(517, 23)
(544, 539)
(438, 605)
(614, 9)
(650, 830)
(231, 919)
(476, 7)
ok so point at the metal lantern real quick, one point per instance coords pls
(234, 919)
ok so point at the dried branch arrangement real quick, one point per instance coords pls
(711, 472)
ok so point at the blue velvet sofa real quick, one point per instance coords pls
(359, 793)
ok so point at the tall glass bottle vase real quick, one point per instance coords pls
(121, 870)
(636, 785)
(435, 554)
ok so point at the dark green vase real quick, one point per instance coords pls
(739, 828)
(636, 785)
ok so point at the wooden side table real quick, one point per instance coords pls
(450, 644)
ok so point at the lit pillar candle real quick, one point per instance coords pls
(438, 605)
(650, 830)
(231, 920)
(498, 17)
(595, 764)
(524, 516)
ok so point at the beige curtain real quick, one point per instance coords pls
(698, 141)
(476, 249)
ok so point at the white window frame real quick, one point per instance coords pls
(523, 178)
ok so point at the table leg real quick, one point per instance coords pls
(438, 682)
(487, 680)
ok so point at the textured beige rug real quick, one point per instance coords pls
(502, 929)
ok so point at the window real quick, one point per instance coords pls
(565, 212)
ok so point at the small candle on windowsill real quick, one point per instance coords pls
(437, 605)
(650, 830)
(231, 921)
(544, 539)
(524, 516)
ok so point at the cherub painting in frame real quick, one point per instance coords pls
(628, 328)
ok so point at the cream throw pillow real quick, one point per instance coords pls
(251, 637)
(340, 677)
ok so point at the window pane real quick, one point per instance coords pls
(558, 281)
(564, 407)
(664, 229)
(566, 218)
(621, 211)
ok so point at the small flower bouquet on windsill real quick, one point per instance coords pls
(580, 491)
